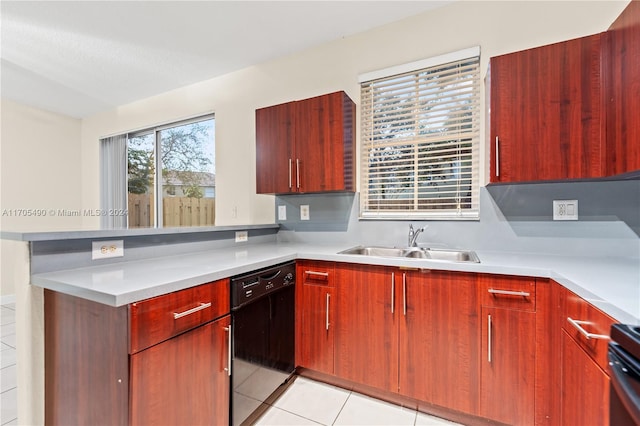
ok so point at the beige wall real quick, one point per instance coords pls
(498, 27)
(39, 170)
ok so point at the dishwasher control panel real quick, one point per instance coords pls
(254, 285)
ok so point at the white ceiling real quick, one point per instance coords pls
(82, 57)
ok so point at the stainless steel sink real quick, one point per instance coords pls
(447, 255)
(444, 254)
(376, 251)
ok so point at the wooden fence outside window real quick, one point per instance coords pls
(176, 211)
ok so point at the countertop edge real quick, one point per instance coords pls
(271, 254)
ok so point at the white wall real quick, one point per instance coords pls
(39, 171)
(498, 27)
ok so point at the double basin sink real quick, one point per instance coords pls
(448, 255)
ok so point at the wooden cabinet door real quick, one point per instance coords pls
(367, 326)
(546, 113)
(274, 149)
(585, 387)
(621, 57)
(316, 320)
(508, 362)
(183, 381)
(439, 339)
(324, 143)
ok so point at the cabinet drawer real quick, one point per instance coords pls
(160, 318)
(588, 326)
(508, 292)
(315, 273)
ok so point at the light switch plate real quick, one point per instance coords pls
(282, 212)
(304, 212)
(107, 249)
(565, 209)
(242, 236)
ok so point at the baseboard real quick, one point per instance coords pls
(6, 299)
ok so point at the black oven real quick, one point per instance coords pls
(624, 363)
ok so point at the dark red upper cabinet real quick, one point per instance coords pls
(546, 112)
(306, 146)
(621, 59)
(568, 110)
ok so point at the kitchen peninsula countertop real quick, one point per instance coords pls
(611, 284)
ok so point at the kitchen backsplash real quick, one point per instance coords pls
(512, 217)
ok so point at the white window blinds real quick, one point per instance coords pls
(420, 142)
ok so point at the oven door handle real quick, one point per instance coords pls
(622, 381)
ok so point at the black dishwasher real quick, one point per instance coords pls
(263, 316)
(624, 363)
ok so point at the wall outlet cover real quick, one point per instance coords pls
(565, 209)
(107, 249)
(242, 236)
(304, 212)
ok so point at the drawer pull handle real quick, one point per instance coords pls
(318, 274)
(191, 311)
(577, 324)
(509, 292)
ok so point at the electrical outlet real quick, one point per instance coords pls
(107, 249)
(242, 236)
(282, 212)
(304, 212)
(565, 209)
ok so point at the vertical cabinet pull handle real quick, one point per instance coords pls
(497, 157)
(289, 173)
(327, 312)
(489, 338)
(393, 291)
(404, 292)
(228, 369)
(298, 173)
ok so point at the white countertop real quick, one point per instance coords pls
(611, 284)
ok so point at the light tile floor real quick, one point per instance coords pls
(307, 402)
(8, 381)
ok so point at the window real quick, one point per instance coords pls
(170, 175)
(420, 139)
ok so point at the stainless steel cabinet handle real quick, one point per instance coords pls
(497, 157)
(202, 306)
(289, 173)
(327, 312)
(509, 292)
(228, 369)
(393, 291)
(404, 292)
(577, 324)
(319, 274)
(489, 338)
(298, 173)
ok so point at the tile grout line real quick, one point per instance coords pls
(342, 408)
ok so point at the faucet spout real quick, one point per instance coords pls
(413, 235)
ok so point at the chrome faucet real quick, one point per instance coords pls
(413, 235)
